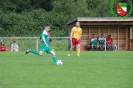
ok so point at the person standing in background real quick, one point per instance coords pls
(75, 38)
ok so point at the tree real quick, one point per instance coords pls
(44, 4)
(14, 5)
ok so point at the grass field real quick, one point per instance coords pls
(90, 70)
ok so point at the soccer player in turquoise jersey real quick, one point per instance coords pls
(94, 42)
(45, 45)
(101, 42)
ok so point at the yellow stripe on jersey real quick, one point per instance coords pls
(76, 32)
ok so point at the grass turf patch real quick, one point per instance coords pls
(93, 69)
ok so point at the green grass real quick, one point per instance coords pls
(92, 69)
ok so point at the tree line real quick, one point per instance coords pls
(27, 17)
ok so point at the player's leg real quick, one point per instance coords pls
(106, 46)
(78, 47)
(97, 47)
(71, 48)
(34, 52)
(100, 47)
(112, 47)
(50, 51)
(103, 47)
(54, 56)
(109, 47)
(73, 43)
(92, 47)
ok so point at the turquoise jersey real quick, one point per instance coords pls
(45, 34)
(94, 41)
(101, 41)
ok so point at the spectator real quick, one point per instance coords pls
(93, 43)
(3, 47)
(14, 47)
(109, 43)
(101, 42)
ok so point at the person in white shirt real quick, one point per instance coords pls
(14, 47)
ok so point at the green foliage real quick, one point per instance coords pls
(15, 5)
(45, 4)
(27, 18)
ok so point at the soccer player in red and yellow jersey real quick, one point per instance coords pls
(75, 38)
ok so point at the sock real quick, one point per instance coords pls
(55, 59)
(71, 49)
(78, 51)
(34, 51)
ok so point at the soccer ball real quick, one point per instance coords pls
(59, 62)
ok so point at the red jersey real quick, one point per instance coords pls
(109, 40)
(3, 48)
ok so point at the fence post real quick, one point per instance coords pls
(37, 44)
(105, 44)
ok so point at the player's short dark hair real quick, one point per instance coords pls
(110, 35)
(47, 25)
(93, 34)
(101, 34)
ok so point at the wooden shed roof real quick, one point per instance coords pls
(102, 19)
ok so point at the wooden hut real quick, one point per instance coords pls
(120, 29)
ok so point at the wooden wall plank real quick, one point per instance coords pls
(108, 30)
(89, 35)
(94, 30)
(130, 44)
(118, 38)
(126, 38)
(99, 31)
(104, 31)
(122, 37)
